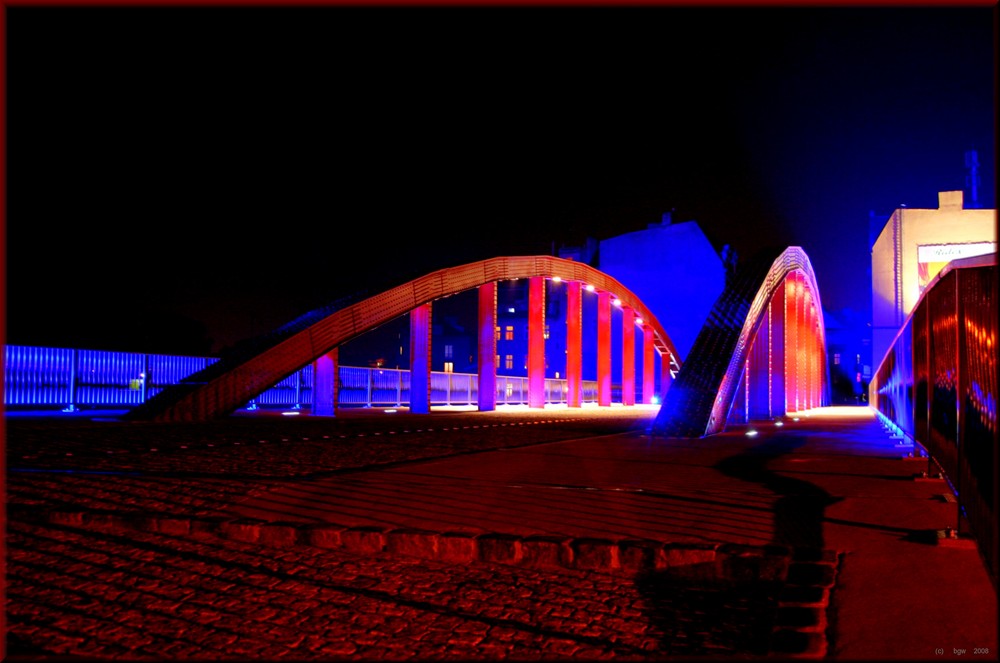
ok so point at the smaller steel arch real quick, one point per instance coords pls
(222, 388)
(701, 397)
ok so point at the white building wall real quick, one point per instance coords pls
(945, 233)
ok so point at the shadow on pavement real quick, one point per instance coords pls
(699, 613)
(800, 505)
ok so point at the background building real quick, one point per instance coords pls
(848, 354)
(912, 248)
(673, 269)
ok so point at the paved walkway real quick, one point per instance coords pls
(532, 534)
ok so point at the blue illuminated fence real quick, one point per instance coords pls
(937, 384)
(41, 377)
(38, 376)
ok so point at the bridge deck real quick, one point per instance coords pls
(827, 482)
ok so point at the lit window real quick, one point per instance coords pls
(546, 332)
(509, 333)
(449, 367)
(498, 332)
(497, 357)
(508, 362)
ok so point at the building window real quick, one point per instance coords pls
(508, 362)
(509, 333)
(497, 357)
(836, 358)
(449, 351)
(546, 332)
(498, 338)
(449, 367)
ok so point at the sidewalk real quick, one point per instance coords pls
(564, 541)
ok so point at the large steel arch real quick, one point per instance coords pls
(765, 334)
(223, 392)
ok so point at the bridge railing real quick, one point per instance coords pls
(937, 384)
(53, 378)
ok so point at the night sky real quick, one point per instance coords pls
(181, 179)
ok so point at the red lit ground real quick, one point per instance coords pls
(172, 556)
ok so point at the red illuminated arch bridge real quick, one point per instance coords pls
(760, 355)
(316, 337)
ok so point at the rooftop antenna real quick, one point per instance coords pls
(972, 178)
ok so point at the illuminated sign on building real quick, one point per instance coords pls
(931, 258)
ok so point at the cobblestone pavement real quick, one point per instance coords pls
(99, 592)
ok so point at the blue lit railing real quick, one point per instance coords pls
(52, 378)
(937, 385)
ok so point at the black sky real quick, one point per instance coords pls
(235, 167)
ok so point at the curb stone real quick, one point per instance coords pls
(800, 628)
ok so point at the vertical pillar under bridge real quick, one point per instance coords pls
(758, 379)
(324, 393)
(648, 365)
(536, 341)
(628, 356)
(420, 359)
(666, 377)
(792, 309)
(776, 352)
(574, 344)
(487, 389)
(808, 347)
(603, 348)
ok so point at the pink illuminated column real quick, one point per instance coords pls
(666, 378)
(758, 372)
(738, 410)
(817, 359)
(487, 390)
(574, 344)
(776, 352)
(791, 333)
(809, 351)
(604, 348)
(628, 356)
(805, 348)
(800, 338)
(420, 359)
(536, 341)
(324, 392)
(648, 364)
